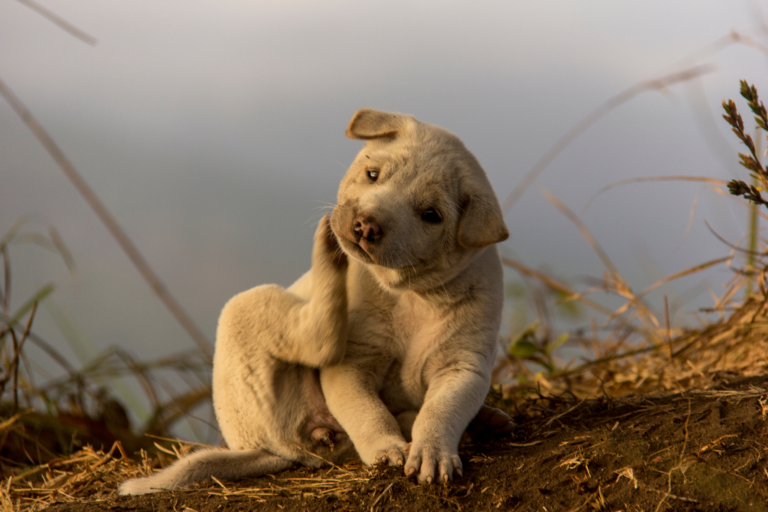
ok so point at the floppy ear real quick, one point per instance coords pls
(373, 124)
(481, 223)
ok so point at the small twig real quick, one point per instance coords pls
(18, 346)
(670, 495)
(178, 441)
(6, 295)
(586, 234)
(554, 285)
(321, 458)
(523, 445)
(117, 445)
(42, 344)
(220, 484)
(566, 412)
(586, 502)
(381, 495)
(594, 116)
(666, 323)
(685, 442)
(610, 186)
(60, 22)
(729, 244)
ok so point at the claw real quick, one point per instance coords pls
(429, 480)
(323, 435)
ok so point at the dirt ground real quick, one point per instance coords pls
(702, 450)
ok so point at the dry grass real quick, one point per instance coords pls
(644, 354)
(94, 474)
(735, 345)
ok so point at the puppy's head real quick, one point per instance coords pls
(415, 205)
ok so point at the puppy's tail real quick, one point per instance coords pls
(221, 463)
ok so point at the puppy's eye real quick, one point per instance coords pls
(373, 173)
(430, 215)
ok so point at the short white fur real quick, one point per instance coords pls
(385, 346)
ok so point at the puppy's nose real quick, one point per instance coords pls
(367, 228)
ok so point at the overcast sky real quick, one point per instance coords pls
(214, 131)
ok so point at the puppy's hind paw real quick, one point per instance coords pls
(325, 239)
(490, 422)
(391, 457)
(323, 436)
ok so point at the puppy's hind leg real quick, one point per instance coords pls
(305, 324)
(220, 463)
(320, 323)
(490, 422)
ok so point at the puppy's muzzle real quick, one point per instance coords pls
(367, 229)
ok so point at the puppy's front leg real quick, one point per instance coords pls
(453, 398)
(350, 392)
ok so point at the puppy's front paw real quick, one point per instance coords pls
(394, 456)
(430, 462)
(326, 244)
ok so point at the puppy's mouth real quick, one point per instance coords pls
(356, 250)
(360, 251)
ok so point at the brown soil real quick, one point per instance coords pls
(699, 450)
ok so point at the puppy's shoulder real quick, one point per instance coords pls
(478, 292)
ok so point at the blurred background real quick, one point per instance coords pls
(214, 132)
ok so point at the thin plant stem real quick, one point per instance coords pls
(754, 228)
(593, 117)
(60, 22)
(108, 220)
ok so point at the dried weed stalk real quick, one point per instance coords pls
(752, 160)
(635, 351)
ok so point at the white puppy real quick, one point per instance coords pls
(391, 346)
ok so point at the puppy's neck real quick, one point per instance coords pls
(438, 287)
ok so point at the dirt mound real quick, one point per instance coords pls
(701, 450)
